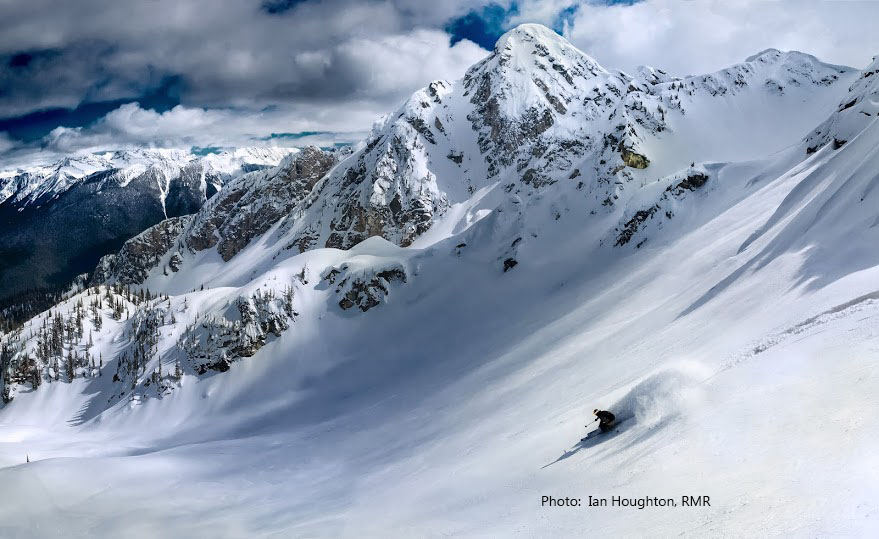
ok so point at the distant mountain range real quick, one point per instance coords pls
(57, 220)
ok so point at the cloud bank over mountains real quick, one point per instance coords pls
(81, 76)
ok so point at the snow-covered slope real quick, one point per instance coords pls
(407, 340)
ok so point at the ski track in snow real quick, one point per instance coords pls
(849, 308)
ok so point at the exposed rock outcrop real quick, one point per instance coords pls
(216, 342)
(140, 254)
(252, 205)
(364, 289)
(673, 194)
(243, 210)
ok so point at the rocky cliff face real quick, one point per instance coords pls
(361, 287)
(858, 108)
(244, 209)
(527, 116)
(214, 343)
(141, 253)
(250, 207)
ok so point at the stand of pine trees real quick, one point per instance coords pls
(56, 347)
(59, 345)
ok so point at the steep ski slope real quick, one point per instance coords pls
(457, 399)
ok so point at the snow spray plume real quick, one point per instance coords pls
(661, 396)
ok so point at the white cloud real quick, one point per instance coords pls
(704, 36)
(409, 61)
(132, 126)
(235, 55)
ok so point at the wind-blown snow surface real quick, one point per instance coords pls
(738, 346)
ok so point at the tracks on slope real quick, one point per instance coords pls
(837, 312)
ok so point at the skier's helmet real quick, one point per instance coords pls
(595, 411)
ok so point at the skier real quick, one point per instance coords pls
(605, 419)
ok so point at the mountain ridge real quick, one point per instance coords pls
(408, 173)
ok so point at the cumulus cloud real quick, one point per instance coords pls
(57, 54)
(132, 126)
(704, 36)
(407, 62)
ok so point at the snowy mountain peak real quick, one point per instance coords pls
(528, 32)
(150, 155)
(797, 63)
(530, 60)
(652, 75)
(535, 39)
(765, 54)
(535, 113)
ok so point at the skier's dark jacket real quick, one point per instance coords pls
(605, 417)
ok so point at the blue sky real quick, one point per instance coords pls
(482, 26)
(489, 22)
(35, 125)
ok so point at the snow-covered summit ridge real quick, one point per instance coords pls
(529, 64)
(517, 49)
